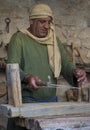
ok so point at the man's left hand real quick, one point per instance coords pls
(81, 76)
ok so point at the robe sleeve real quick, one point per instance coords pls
(66, 63)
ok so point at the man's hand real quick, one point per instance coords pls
(33, 82)
(81, 76)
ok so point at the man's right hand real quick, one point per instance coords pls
(33, 82)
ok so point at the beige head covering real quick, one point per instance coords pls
(42, 11)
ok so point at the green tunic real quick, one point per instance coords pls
(33, 59)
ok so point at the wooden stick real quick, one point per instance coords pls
(14, 85)
(79, 92)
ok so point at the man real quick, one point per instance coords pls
(40, 54)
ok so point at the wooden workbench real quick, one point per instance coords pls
(51, 116)
(40, 115)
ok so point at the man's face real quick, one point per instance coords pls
(39, 27)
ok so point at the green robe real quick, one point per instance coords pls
(32, 58)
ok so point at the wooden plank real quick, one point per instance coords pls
(56, 123)
(14, 85)
(45, 109)
(65, 123)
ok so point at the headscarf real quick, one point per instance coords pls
(40, 11)
(43, 11)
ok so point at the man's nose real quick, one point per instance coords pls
(47, 25)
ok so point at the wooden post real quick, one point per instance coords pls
(79, 92)
(14, 85)
(73, 53)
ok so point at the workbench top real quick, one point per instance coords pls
(44, 109)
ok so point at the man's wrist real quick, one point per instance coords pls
(26, 79)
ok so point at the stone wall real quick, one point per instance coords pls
(72, 19)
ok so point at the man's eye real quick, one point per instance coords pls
(42, 21)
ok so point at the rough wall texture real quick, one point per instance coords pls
(72, 19)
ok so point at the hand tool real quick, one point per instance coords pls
(51, 85)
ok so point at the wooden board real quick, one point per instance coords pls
(45, 109)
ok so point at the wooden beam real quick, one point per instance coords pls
(14, 85)
(45, 109)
